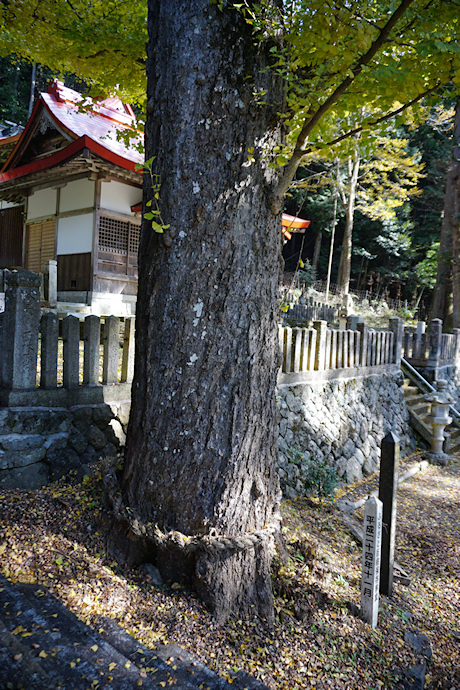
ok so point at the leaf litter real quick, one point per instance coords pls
(50, 536)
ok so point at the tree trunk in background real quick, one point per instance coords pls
(349, 199)
(316, 251)
(32, 88)
(443, 287)
(452, 213)
(202, 438)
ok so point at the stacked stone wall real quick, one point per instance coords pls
(340, 422)
(41, 444)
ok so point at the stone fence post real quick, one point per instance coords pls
(434, 356)
(363, 328)
(353, 321)
(320, 355)
(397, 326)
(19, 332)
(51, 273)
(456, 333)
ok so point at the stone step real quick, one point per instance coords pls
(420, 408)
(410, 390)
(44, 645)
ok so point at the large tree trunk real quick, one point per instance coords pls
(450, 231)
(202, 438)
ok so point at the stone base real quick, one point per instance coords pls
(437, 458)
(39, 445)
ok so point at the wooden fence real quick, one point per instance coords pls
(321, 348)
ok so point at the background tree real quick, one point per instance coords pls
(375, 178)
(102, 43)
(443, 288)
(20, 83)
(452, 216)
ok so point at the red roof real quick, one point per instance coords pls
(94, 127)
(292, 224)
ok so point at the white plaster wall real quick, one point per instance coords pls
(7, 204)
(42, 203)
(77, 194)
(75, 234)
(116, 196)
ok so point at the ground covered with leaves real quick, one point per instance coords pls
(50, 536)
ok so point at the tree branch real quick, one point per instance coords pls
(388, 116)
(309, 124)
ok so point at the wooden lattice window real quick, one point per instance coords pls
(113, 235)
(118, 246)
(134, 232)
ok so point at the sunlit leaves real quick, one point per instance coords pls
(102, 42)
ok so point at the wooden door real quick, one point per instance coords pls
(40, 245)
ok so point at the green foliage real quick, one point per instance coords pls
(426, 270)
(307, 274)
(102, 41)
(322, 479)
(153, 214)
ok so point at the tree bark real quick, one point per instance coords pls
(450, 231)
(202, 437)
(349, 203)
(316, 251)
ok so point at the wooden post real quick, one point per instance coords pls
(388, 484)
(372, 537)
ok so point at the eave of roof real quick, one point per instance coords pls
(84, 164)
(294, 222)
(64, 154)
(100, 125)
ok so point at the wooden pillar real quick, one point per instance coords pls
(388, 484)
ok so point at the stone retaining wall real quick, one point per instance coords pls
(41, 444)
(340, 422)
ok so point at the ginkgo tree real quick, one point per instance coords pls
(102, 42)
(199, 485)
(199, 494)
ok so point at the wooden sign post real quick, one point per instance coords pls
(372, 542)
(388, 484)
